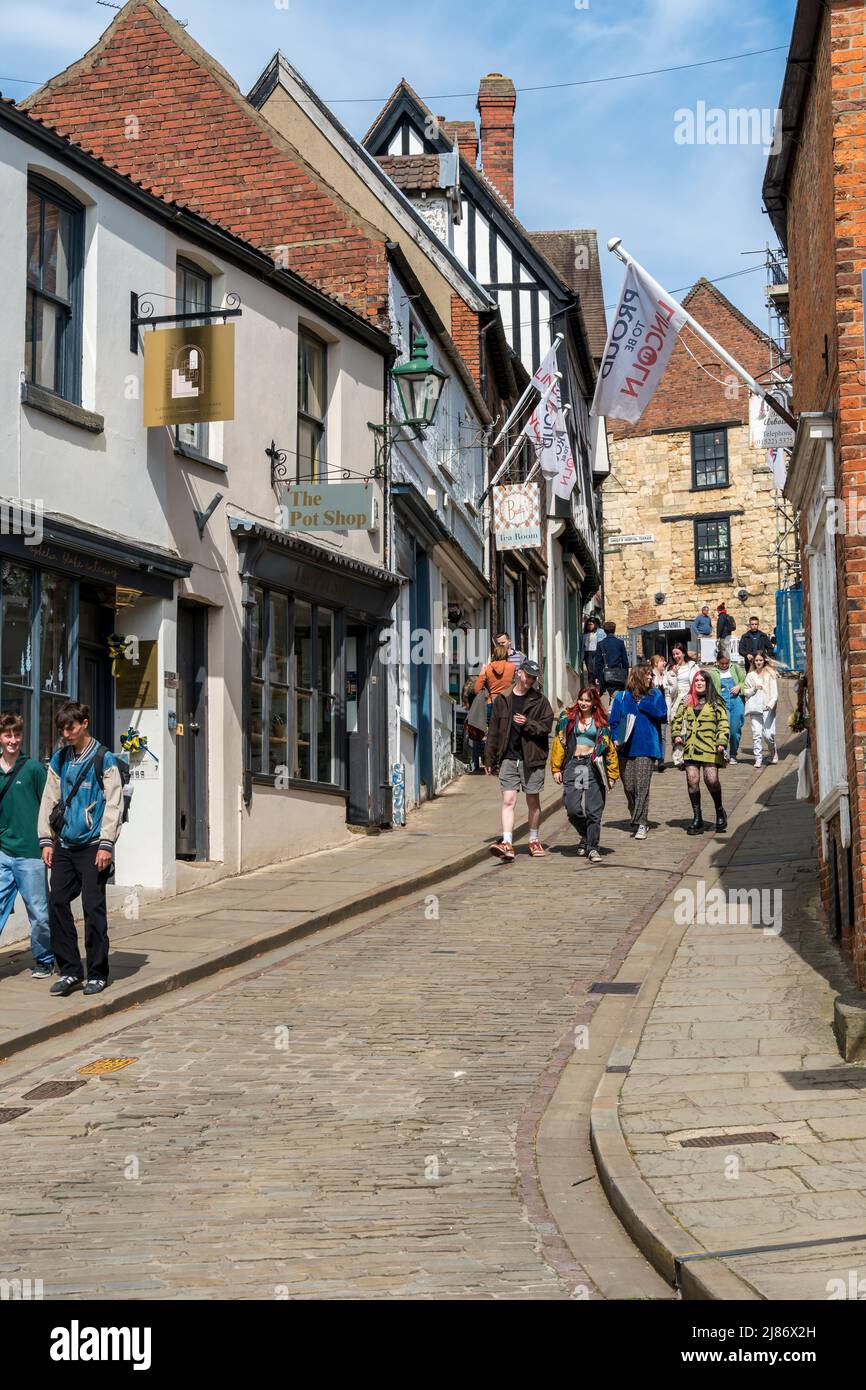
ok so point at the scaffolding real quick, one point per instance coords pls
(786, 548)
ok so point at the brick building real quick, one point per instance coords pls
(813, 192)
(688, 506)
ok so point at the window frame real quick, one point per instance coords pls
(718, 520)
(320, 474)
(33, 693)
(68, 349)
(697, 485)
(263, 774)
(183, 268)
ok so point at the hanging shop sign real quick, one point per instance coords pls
(327, 507)
(189, 374)
(517, 516)
(767, 430)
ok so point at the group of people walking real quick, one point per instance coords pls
(702, 709)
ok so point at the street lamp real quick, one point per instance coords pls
(419, 387)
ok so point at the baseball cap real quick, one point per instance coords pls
(531, 668)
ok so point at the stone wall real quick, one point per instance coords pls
(651, 479)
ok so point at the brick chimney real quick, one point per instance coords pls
(496, 102)
(464, 134)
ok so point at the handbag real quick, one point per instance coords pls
(615, 677)
(476, 719)
(755, 703)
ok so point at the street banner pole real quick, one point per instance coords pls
(522, 402)
(615, 245)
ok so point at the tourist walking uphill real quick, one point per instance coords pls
(762, 696)
(659, 668)
(79, 821)
(497, 676)
(701, 730)
(729, 680)
(611, 661)
(584, 761)
(518, 740)
(638, 716)
(21, 867)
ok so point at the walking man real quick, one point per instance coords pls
(754, 641)
(518, 739)
(725, 625)
(611, 661)
(516, 657)
(79, 822)
(21, 867)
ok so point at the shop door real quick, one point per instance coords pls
(359, 731)
(191, 815)
(95, 685)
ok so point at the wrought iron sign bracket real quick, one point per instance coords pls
(384, 439)
(141, 314)
(280, 469)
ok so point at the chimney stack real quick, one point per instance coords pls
(496, 102)
(464, 134)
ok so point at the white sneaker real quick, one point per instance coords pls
(594, 857)
(759, 762)
(641, 832)
(776, 756)
(581, 849)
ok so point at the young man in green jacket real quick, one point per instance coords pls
(22, 781)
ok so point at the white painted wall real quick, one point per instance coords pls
(128, 481)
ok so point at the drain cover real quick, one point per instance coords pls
(8, 1113)
(104, 1065)
(713, 1141)
(52, 1090)
(613, 987)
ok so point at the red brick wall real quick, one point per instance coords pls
(466, 334)
(827, 250)
(198, 142)
(687, 395)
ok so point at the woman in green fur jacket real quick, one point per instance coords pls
(701, 730)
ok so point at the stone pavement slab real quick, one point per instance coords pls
(741, 1012)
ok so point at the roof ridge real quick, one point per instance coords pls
(702, 283)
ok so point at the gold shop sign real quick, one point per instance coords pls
(189, 374)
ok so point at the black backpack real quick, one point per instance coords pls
(99, 767)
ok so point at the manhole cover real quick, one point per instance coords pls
(712, 1141)
(614, 987)
(51, 1090)
(104, 1065)
(8, 1113)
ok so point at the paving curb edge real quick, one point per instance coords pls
(666, 1244)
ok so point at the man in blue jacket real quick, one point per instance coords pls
(611, 661)
(79, 852)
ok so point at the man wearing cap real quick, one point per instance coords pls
(518, 739)
(724, 626)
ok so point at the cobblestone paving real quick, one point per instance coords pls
(342, 1123)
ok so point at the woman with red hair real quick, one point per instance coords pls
(701, 729)
(583, 760)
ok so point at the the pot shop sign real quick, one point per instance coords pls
(326, 507)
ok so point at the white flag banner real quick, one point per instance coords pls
(567, 475)
(544, 378)
(544, 427)
(640, 341)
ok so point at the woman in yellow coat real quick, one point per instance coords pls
(701, 730)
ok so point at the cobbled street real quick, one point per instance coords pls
(355, 1119)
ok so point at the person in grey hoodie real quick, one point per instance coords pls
(85, 787)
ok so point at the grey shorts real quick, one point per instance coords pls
(513, 777)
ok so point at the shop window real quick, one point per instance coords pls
(709, 458)
(55, 227)
(293, 701)
(193, 296)
(712, 550)
(312, 386)
(35, 651)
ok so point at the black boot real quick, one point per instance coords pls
(697, 824)
(721, 818)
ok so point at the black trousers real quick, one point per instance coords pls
(585, 795)
(73, 874)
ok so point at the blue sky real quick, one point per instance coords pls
(601, 156)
